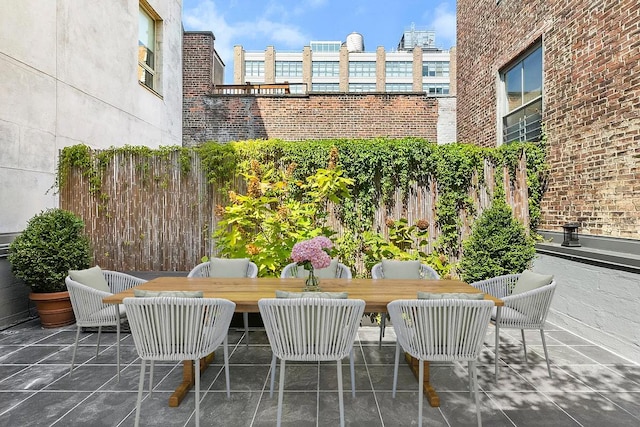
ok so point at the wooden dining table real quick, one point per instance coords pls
(246, 292)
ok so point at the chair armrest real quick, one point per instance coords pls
(119, 282)
(499, 287)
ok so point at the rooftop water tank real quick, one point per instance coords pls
(355, 42)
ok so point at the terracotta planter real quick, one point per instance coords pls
(54, 308)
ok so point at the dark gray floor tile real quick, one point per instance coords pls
(30, 354)
(12, 398)
(42, 409)
(101, 409)
(34, 377)
(216, 409)
(599, 354)
(329, 380)
(298, 409)
(630, 402)
(382, 378)
(7, 371)
(531, 409)
(359, 411)
(601, 378)
(241, 378)
(403, 410)
(459, 409)
(566, 337)
(538, 376)
(592, 409)
(260, 354)
(84, 378)
(379, 356)
(559, 355)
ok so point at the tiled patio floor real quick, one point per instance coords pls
(590, 386)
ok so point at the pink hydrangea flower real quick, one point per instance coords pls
(312, 252)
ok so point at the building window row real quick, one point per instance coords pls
(399, 68)
(325, 87)
(436, 88)
(435, 69)
(288, 68)
(399, 87)
(325, 46)
(254, 68)
(362, 87)
(362, 69)
(325, 68)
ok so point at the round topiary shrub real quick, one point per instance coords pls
(52, 244)
(498, 245)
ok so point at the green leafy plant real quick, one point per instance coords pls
(405, 242)
(52, 244)
(498, 245)
(264, 224)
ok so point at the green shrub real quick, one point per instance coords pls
(52, 244)
(498, 245)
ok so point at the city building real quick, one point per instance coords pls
(335, 66)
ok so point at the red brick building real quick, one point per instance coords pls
(572, 67)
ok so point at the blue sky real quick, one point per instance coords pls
(288, 25)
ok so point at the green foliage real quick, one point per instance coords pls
(498, 245)
(264, 224)
(406, 242)
(52, 244)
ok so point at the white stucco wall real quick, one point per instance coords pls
(446, 125)
(68, 75)
(599, 304)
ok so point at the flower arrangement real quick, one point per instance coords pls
(311, 254)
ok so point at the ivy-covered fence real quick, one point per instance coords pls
(156, 209)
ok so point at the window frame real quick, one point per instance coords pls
(524, 130)
(144, 68)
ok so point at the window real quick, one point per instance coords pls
(522, 100)
(399, 68)
(288, 68)
(362, 87)
(254, 68)
(325, 87)
(325, 46)
(436, 88)
(147, 47)
(399, 87)
(435, 69)
(362, 69)
(325, 68)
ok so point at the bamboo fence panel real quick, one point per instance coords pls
(149, 215)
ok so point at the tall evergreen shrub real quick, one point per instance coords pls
(498, 245)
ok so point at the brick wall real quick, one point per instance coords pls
(591, 96)
(234, 118)
(197, 77)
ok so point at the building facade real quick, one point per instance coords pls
(569, 71)
(98, 73)
(345, 67)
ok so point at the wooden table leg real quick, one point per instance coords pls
(188, 379)
(430, 392)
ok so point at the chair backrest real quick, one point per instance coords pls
(441, 330)
(426, 272)
(311, 329)
(87, 305)
(119, 282)
(172, 328)
(290, 270)
(204, 270)
(528, 309)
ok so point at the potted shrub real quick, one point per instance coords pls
(52, 244)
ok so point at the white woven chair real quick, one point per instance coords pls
(311, 329)
(426, 272)
(204, 270)
(290, 270)
(527, 310)
(440, 330)
(90, 311)
(176, 329)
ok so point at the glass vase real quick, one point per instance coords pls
(311, 282)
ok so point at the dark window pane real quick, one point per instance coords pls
(513, 83)
(532, 70)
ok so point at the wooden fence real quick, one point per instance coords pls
(149, 215)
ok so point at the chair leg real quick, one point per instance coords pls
(524, 345)
(245, 318)
(273, 375)
(353, 373)
(118, 344)
(340, 392)
(98, 344)
(280, 392)
(421, 388)
(140, 385)
(383, 322)
(225, 346)
(498, 312)
(151, 377)
(546, 353)
(75, 348)
(473, 376)
(395, 369)
(196, 363)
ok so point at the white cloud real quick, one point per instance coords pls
(444, 24)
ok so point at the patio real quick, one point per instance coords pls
(591, 386)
